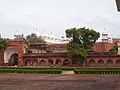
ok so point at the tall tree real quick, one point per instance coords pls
(76, 52)
(82, 39)
(33, 39)
(114, 49)
(85, 37)
(3, 43)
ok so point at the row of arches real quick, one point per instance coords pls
(102, 63)
(43, 62)
(66, 62)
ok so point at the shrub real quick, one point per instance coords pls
(30, 71)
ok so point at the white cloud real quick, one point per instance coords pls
(57, 15)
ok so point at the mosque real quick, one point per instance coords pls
(54, 53)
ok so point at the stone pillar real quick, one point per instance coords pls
(38, 61)
(114, 63)
(46, 62)
(54, 63)
(31, 62)
(96, 63)
(62, 63)
(105, 63)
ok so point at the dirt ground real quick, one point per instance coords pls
(11, 81)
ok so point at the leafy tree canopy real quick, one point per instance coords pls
(3, 43)
(82, 39)
(85, 37)
(76, 52)
(33, 39)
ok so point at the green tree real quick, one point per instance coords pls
(114, 49)
(85, 37)
(3, 43)
(33, 39)
(82, 39)
(76, 52)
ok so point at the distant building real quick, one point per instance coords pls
(55, 54)
(50, 38)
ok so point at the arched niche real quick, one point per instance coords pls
(8, 53)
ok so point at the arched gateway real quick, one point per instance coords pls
(11, 57)
(13, 54)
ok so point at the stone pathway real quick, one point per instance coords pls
(21, 81)
(68, 72)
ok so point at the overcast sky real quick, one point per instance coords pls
(58, 15)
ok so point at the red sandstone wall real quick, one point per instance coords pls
(18, 45)
(102, 46)
(1, 58)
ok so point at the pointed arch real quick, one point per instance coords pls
(58, 62)
(8, 53)
(109, 63)
(92, 63)
(13, 59)
(28, 63)
(35, 63)
(101, 63)
(117, 63)
(42, 62)
(50, 62)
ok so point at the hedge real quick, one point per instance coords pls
(39, 68)
(58, 70)
(30, 71)
(97, 72)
